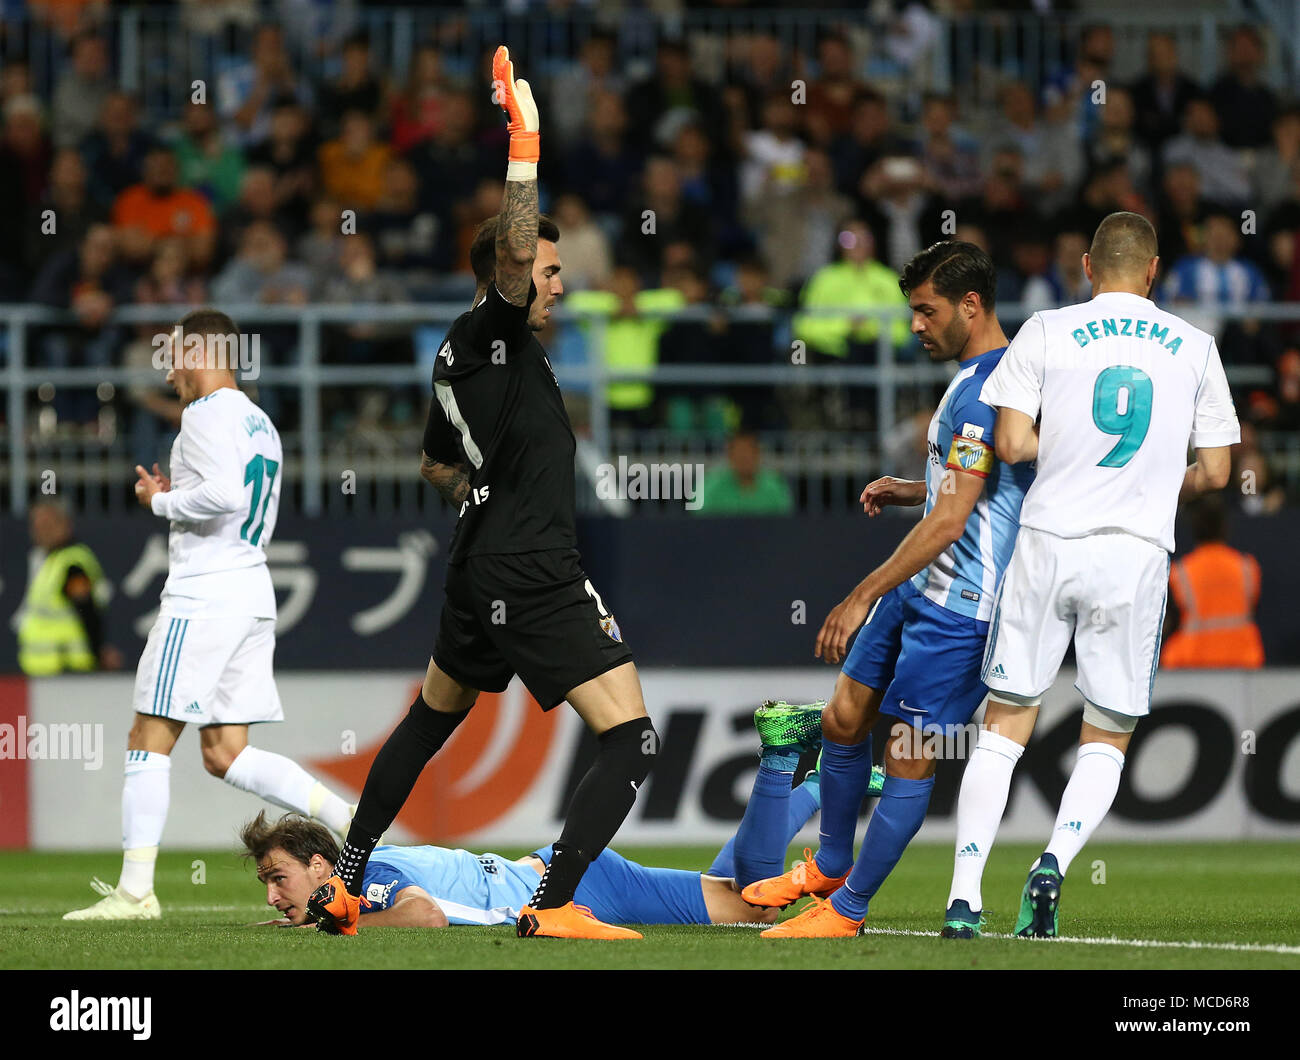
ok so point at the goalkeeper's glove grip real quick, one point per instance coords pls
(516, 99)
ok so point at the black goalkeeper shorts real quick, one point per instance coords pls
(534, 614)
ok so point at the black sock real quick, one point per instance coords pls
(600, 804)
(396, 768)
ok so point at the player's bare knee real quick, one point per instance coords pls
(218, 759)
(846, 722)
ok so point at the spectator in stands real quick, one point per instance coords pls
(796, 224)
(630, 340)
(80, 92)
(115, 150)
(289, 151)
(1109, 188)
(1116, 140)
(1213, 593)
(1181, 212)
(758, 67)
(1002, 203)
(62, 624)
(869, 138)
(588, 258)
(319, 247)
(1161, 94)
(772, 161)
(359, 280)
(856, 281)
(406, 235)
(90, 282)
(1253, 481)
(1053, 162)
(1245, 105)
(645, 238)
(1275, 168)
(574, 88)
(25, 149)
(416, 113)
(833, 90)
(247, 92)
(472, 212)
(15, 78)
(673, 95)
(748, 336)
(903, 216)
(744, 486)
(1219, 276)
(450, 165)
(352, 167)
(207, 161)
(73, 212)
(709, 182)
(1070, 96)
(1224, 179)
(157, 207)
(1064, 283)
(256, 203)
(605, 166)
(261, 271)
(949, 156)
(357, 88)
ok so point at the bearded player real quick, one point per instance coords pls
(498, 445)
(927, 608)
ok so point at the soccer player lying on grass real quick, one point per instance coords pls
(430, 886)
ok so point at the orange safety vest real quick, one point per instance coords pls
(1216, 589)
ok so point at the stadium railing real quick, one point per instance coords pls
(827, 468)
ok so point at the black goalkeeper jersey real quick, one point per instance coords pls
(497, 407)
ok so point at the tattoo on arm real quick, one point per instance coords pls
(450, 480)
(517, 240)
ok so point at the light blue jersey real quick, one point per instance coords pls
(965, 576)
(468, 888)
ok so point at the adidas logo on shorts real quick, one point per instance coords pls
(998, 672)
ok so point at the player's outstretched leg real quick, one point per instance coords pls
(898, 817)
(277, 779)
(336, 904)
(845, 768)
(146, 794)
(612, 706)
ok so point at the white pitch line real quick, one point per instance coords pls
(1248, 947)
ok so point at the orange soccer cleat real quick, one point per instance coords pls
(335, 911)
(819, 921)
(802, 880)
(567, 922)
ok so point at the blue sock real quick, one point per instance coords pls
(805, 801)
(898, 816)
(761, 839)
(845, 774)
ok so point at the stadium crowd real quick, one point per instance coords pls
(781, 181)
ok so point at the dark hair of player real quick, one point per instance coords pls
(954, 268)
(207, 322)
(483, 251)
(299, 837)
(1123, 244)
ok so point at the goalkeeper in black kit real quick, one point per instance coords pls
(499, 446)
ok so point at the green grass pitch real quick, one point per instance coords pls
(1214, 896)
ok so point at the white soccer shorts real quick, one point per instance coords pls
(1106, 590)
(209, 671)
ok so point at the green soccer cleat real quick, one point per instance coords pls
(782, 724)
(1040, 901)
(960, 923)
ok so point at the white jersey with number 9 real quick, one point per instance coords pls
(1122, 387)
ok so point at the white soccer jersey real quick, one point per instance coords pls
(1122, 387)
(223, 502)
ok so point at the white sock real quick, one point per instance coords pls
(146, 792)
(984, 789)
(284, 782)
(1086, 801)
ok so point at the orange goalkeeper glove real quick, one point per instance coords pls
(516, 99)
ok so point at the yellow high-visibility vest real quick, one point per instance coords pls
(51, 638)
(631, 343)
